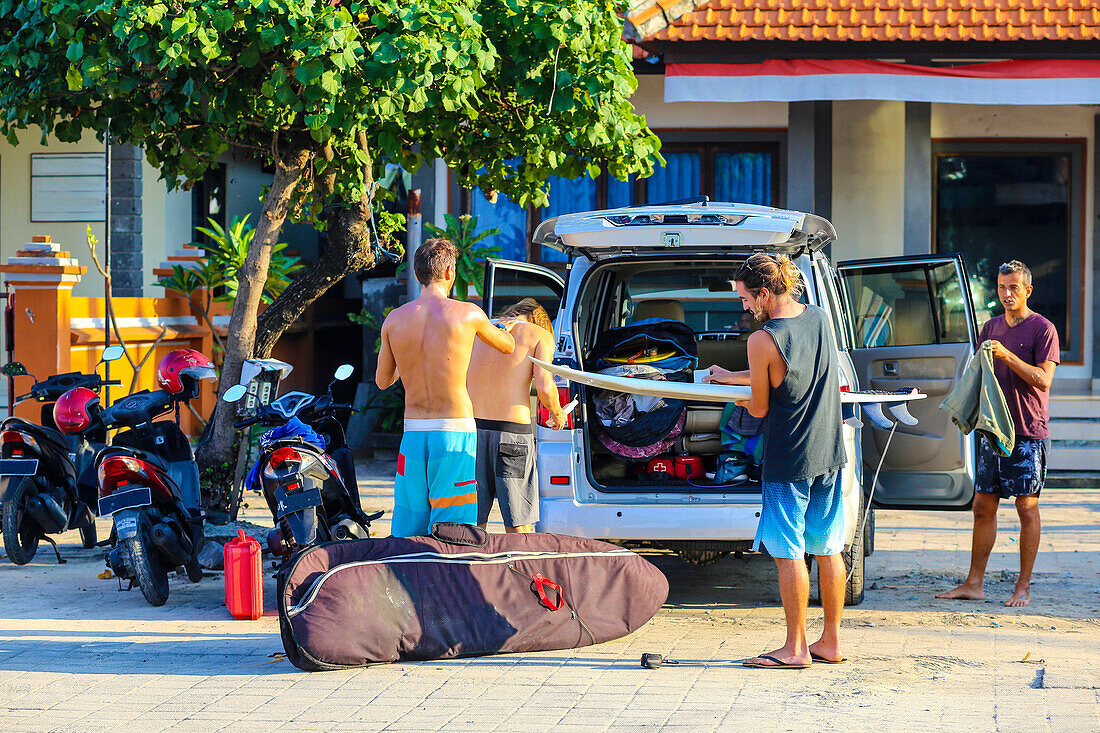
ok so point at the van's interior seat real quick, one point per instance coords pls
(659, 308)
(728, 353)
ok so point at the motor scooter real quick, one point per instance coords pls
(305, 470)
(42, 468)
(149, 481)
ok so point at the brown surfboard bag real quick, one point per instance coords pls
(460, 592)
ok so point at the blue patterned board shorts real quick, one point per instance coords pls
(802, 517)
(1023, 473)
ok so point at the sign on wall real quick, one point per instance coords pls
(68, 187)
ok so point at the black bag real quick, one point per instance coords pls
(643, 342)
(655, 348)
(459, 593)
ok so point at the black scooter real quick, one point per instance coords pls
(46, 482)
(149, 485)
(305, 469)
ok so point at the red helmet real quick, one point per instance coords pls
(180, 370)
(74, 410)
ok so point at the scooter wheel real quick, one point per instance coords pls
(149, 571)
(87, 536)
(194, 570)
(21, 535)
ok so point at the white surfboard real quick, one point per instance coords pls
(699, 392)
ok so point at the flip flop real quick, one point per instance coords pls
(823, 660)
(779, 664)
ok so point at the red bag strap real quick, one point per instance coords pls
(540, 584)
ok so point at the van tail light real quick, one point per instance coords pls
(117, 472)
(279, 456)
(542, 415)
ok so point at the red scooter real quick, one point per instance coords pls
(149, 482)
(44, 468)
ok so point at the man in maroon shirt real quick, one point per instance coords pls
(1025, 351)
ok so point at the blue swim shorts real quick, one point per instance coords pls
(802, 517)
(435, 479)
(1022, 473)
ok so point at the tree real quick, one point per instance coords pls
(507, 92)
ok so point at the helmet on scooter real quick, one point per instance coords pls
(180, 371)
(74, 410)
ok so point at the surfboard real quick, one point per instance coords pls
(701, 392)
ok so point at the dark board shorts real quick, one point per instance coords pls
(505, 471)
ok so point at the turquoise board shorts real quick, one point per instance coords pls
(435, 479)
(802, 517)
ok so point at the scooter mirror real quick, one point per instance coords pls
(112, 353)
(14, 369)
(235, 393)
(343, 372)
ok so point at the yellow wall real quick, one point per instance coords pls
(16, 228)
(649, 100)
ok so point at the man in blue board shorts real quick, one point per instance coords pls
(426, 343)
(793, 373)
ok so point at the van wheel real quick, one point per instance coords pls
(853, 567)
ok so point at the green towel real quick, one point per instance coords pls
(977, 403)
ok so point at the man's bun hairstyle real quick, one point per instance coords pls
(778, 274)
(432, 259)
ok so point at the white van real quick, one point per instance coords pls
(900, 321)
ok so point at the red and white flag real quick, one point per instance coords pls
(1041, 81)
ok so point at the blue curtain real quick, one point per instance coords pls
(620, 193)
(745, 178)
(568, 196)
(509, 217)
(678, 179)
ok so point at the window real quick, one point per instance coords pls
(745, 172)
(907, 305)
(68, 187)
(208, 202)
(996, 202)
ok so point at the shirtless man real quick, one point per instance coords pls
(500, 387)
(427, 343)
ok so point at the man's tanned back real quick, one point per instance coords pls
(431, 344)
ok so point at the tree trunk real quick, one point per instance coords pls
(242, 324)
(347, 252)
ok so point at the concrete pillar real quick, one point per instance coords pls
(41, 277)
(918, 178)
(810, 157)
(127, 270)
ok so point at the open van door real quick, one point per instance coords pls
(913, 325)
(507, 283)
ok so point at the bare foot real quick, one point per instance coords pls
(784, 655)
(826, 652)
(964, 592)
(1020, 597)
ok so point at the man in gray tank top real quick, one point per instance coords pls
(796, 389)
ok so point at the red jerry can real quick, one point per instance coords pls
(244, 580)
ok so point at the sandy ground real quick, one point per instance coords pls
(78, 655)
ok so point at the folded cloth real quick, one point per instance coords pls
(977, 403)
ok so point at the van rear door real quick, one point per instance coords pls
(508, 282)
(913, 325)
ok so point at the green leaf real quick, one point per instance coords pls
(74, 80)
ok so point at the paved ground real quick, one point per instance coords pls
(78, 655)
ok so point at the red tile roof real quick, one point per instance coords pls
(883, 20)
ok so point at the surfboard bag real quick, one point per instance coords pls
(662, 343)
(458, 593)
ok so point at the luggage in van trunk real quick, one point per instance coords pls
(459, 593)
(632, 426)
